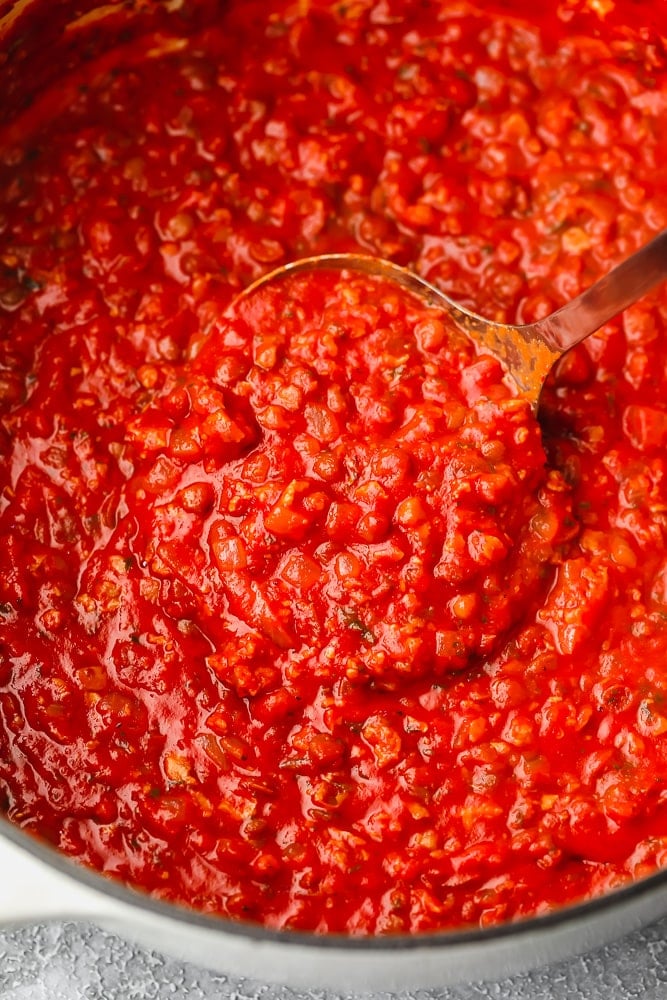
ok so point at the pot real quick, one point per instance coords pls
(39, 883)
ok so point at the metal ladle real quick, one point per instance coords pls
(528, 352)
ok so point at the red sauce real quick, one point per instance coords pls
(300, 623)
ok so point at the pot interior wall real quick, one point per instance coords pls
(57, 28)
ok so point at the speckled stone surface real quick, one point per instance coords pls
(76, 962)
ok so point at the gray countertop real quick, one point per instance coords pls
(66, 961)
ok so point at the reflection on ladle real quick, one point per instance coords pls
(527, 353)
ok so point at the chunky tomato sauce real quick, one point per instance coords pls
(304, 619)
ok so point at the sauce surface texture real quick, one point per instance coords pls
(304, 620)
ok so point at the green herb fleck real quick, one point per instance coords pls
(352, 620)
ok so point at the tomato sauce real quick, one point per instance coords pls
(304, 619)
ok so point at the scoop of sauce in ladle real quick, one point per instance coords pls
(527, 352)
(400, 429)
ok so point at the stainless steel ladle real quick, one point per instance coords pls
(529, 352)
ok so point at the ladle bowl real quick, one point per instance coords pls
(527, 352)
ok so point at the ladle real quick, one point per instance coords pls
(528, 352)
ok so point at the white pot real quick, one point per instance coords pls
(39, 884)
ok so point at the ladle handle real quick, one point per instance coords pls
(609, 296)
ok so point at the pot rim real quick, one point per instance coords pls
(446, 939)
